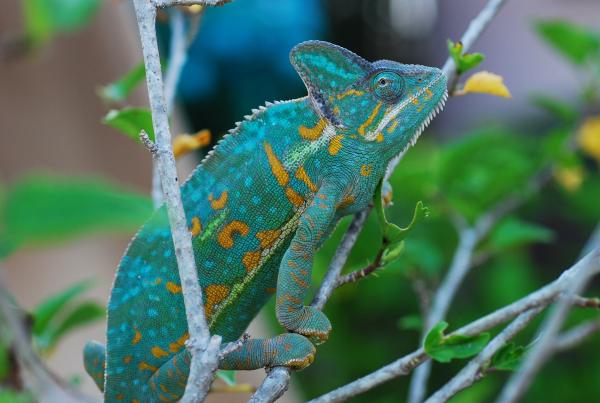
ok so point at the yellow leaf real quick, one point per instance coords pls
(485, 82)
(589, 137)
(184, 143)
(569, 178)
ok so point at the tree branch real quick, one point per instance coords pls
(473, 370)
(575, 336)
(46, 387)
(519, 382)
(168, 3)
(203, 348)
(540, 298)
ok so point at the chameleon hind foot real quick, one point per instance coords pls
(307, 321)
(94, 361)
(289, 350)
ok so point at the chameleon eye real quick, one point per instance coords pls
(387, 86)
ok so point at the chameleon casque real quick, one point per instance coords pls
(258, 207)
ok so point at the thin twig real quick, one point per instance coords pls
(519, 382)
(362, 273)
(575, 336)
(473, 370)
(233, 346)
(404, 365)
(203, 348)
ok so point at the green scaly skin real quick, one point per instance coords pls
(258, 207)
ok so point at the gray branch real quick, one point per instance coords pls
(473, 370)
(203, 348)
(519, 382)
(577, 335)
(544, 296)
(168, 3)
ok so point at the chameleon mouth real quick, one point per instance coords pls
(438, 108)
(417, 133)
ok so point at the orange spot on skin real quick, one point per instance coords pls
(312, 133)
(379, 137)
(277, 167)
(218, 204)
(120, 396)
(225, 237)
(303, 176)
(351, 91)
(127, 359)
(136, 337)
(214, 294)
(268, 238)
(270, 290)
(157, 281)
(158, 352)
(144, 366)
(294, 197)
(251, 260)
(415, 101)
(335, 144)
(393, 126)
(178, 345)
(429, 94)
(196, 226)
(370, 119)
(135, 401)
(336, 111)
(299, 281)
(365, 170)
(173, 288)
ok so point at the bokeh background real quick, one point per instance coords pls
(479, 150)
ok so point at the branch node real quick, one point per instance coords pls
(149, 144)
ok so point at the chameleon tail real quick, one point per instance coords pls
(94, 361)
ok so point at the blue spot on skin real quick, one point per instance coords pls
(146, 269)
(243, 209)
(152, 312)
(209, 264)
(134, 291)
(273, 210)
(248, 182)
(152, 333)
(255, 199)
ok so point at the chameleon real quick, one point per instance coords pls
(258, 207)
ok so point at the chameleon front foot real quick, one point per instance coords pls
(308, 322)
(289, 350)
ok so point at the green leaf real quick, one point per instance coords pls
(393, 252)
(464, 62)
(119, 90)
(81, 315)
(50, 307)
(508, 358)
(45, 18)
(444, 348)
(43, 209)
(556, 107)
(574, 42)
(512, 232)
(131, 121)
(391, 232)
(227, 375)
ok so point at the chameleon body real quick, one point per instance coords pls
(258, 208)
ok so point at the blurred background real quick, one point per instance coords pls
(74, 188)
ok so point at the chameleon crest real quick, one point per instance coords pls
(258, 207)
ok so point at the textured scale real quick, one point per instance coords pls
(258, 207)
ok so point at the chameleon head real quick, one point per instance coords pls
(385, 103)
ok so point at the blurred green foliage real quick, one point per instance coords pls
(44, 209)
(131, 121)
(464, 61)
(46, 18)
(119, 90)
